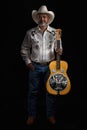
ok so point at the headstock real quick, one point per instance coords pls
(58, 34)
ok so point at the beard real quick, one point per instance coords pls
(43, 24)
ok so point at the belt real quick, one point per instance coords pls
(42, 64)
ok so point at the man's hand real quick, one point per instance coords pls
(31, 66)
(60, 51)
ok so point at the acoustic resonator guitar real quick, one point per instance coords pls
(58, 81)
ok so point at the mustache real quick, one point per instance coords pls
(43, 24)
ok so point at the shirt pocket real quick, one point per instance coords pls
(35, 45)
(50, 44)
(35, 42)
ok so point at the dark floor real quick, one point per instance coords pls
(70, 115)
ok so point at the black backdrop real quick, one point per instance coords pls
(70, 17)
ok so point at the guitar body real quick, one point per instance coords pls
(58, 81)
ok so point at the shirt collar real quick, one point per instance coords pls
(49, 29)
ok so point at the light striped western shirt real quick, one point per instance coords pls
(39, 47)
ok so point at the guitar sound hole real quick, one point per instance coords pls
(58, 82)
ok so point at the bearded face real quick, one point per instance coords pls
(43, 20)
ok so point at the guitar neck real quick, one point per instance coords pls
(57, 55)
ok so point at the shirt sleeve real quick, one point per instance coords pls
(25, 49)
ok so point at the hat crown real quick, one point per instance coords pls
(43, 9)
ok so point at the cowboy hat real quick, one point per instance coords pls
(43, 9)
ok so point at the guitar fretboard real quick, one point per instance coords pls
(57, 55)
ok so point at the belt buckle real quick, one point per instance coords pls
(43, 64)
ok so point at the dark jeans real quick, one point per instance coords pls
(37, 79)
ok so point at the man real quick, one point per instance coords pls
(38, 50)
